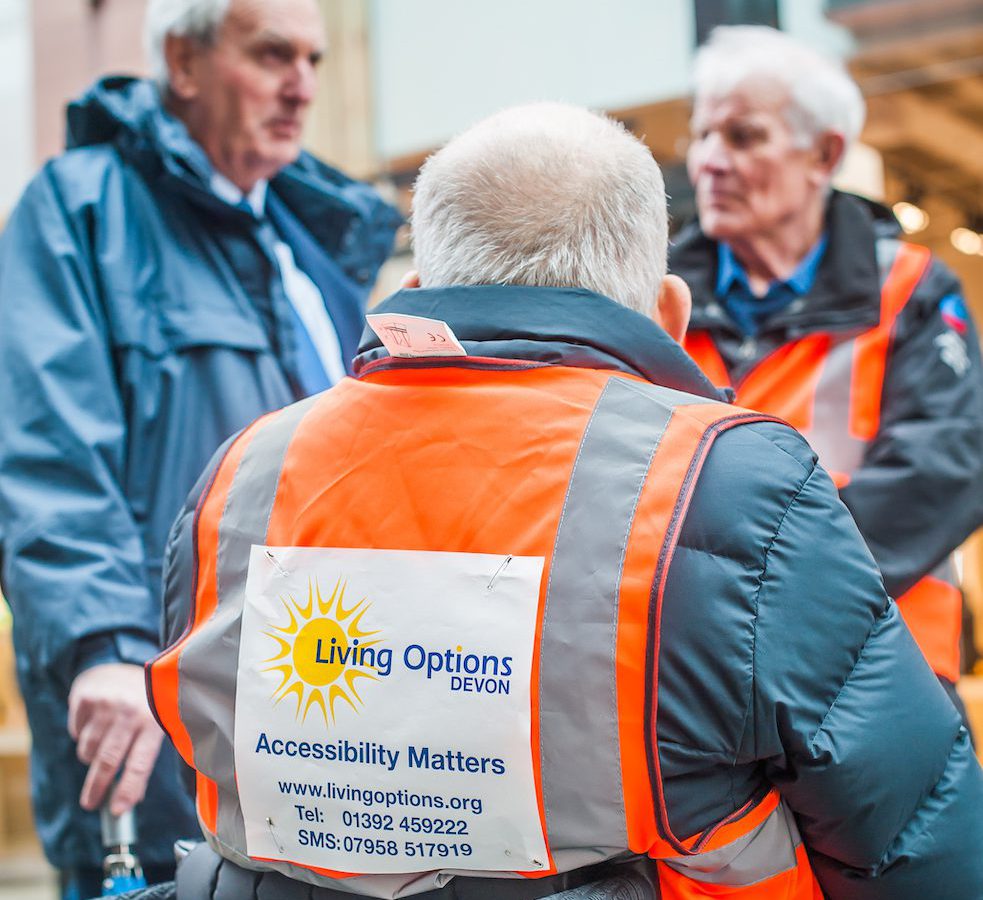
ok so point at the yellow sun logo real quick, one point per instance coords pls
(322, 651)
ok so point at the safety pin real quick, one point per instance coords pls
(276, 563)
(276, 840)
(498, 572)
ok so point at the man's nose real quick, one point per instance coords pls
(713, 154)
(301, 87)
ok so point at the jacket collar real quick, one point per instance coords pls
(555, 326)
(346, 217)
(846, 290)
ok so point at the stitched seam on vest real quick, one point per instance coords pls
(195, 517)
(195, 549)
(621, 559)
(483, 364)
(559, 527)
(653, 652)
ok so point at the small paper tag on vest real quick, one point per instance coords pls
(412, 336)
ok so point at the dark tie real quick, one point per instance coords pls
(310, 371)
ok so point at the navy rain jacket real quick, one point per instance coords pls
(142, 322)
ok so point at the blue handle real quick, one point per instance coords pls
(120, 884)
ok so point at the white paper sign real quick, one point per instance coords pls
(410, 336)
(383, 710)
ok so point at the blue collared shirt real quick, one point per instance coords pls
(749, 311)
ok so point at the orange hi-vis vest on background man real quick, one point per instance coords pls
(435, 458)
(829, 386)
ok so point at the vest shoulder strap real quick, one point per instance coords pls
(903, 266)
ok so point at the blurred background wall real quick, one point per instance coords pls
(16, 100)
(403, 77)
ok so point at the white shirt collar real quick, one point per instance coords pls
(227, 191)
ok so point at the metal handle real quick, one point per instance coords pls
(117, 831)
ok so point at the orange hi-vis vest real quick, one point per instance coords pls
(828, 386)
(433, 458)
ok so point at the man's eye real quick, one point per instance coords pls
(744, 136)
(275, 55)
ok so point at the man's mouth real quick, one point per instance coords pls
(287, 129)
(717, 196)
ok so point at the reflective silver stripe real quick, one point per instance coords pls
(206, 669)
(946, 571)
(829, 435)
(837, 449)
(886, 250)
(585, 817)
(766, 851)
(578, 706)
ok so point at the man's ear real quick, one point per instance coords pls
(410, 280)
(672, 307)
(830, 149)
(181, 55)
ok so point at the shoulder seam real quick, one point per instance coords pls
(757, 592)
(791, 456)
(853, 668)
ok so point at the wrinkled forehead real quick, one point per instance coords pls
(297, 21)
(756, 97)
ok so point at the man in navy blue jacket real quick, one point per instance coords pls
(180, 270)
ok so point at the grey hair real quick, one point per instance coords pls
(545, 195)
(199, 19)
(822, 95)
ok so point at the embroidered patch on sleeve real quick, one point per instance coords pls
(954, 312)
(952, 350)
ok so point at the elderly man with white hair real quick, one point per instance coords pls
(180, 270)
(525, 605)
(806, 301)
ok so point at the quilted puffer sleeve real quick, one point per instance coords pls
(852, 725)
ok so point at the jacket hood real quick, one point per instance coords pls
(348, 218)
(555, 326)
(111, 106)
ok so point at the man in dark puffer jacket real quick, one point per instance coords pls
(722, 694)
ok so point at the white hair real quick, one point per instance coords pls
(199, 19)
(545, 195)
(822, 95)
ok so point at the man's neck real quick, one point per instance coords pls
(244, 179)
(775, 255)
